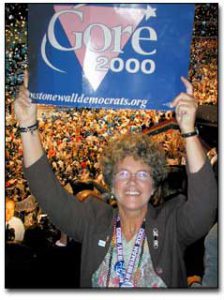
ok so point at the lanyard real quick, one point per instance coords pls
(125, 275)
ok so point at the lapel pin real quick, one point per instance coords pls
(155, 238)
(101, 243)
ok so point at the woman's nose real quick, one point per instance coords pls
(132, 178)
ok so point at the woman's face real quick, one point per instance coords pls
(132, 184)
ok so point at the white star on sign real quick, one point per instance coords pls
(150, 12)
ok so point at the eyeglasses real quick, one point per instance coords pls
(141, 175)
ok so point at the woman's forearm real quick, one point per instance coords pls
(195, 154)
(32, 147)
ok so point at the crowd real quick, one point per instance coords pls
(204, 70)
(63, 134)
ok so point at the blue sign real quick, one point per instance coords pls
(120, 56)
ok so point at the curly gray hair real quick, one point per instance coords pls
(140, 147)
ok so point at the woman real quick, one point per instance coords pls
(136, 245)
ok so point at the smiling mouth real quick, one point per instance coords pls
(130, 193)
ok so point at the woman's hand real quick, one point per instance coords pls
(25, 110)
(186, 108)
(26, 114)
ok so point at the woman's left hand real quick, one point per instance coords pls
(186, 108)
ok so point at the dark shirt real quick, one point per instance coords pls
(179, 222)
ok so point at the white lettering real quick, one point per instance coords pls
(142, 40)
(136, 40)
(111, 37)
(51, 31)
(117, 37)
(106, 38)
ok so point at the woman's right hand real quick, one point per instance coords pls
(25, 110)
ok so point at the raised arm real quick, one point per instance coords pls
(196, 216)
(64, 210)
(26, 114)
(186, 108)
